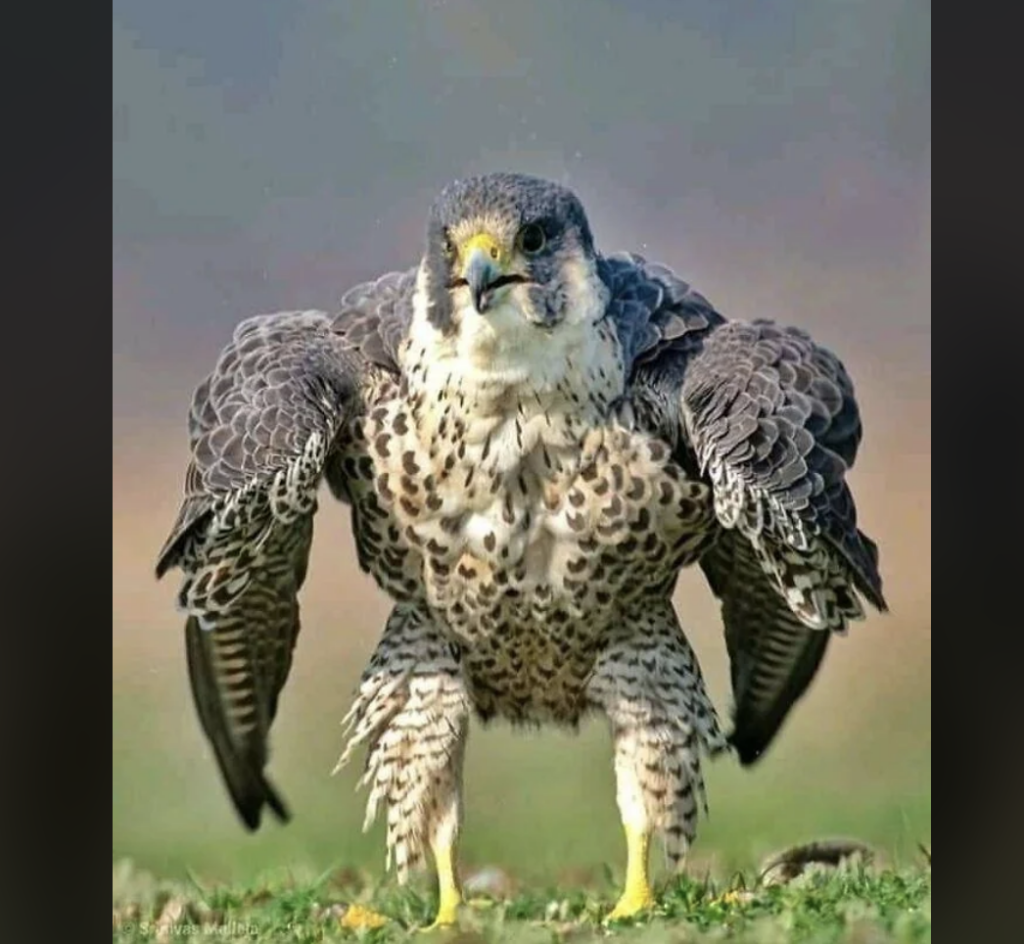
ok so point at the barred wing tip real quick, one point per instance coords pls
(250, 806)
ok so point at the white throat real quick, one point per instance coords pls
(503, 356)
(507, 388)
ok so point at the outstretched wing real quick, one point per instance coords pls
(770, 419)
(262, 426)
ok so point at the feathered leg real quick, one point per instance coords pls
(412, 711)
(649, 684)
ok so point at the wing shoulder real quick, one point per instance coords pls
(262, 422)
(773, 420)
(262, 418)
(656, 314)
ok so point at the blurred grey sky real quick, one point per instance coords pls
(268, 154)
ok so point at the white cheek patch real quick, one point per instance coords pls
(583, 284)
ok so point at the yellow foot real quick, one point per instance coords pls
(449, 893)
(357, 918)
(636, 896)
(446, 917)
(449, 915)
(631, 904)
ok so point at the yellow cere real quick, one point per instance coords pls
(488, 245)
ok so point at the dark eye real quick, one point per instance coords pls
(449, 246)
(532, 239)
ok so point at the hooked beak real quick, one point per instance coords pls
(481, 272)
(483, 265)
(486, 267)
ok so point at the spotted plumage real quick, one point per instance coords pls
(533, 439)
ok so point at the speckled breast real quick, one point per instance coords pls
(570, 530)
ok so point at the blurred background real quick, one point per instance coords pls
(269, 155)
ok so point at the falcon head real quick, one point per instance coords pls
(509, 257)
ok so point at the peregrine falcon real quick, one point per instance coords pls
(533, 439)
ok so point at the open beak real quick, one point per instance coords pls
(482, 269)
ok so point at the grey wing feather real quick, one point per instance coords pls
(661, 321)
(773, 420)
(653, 310)
(770, 419)
(773, 656)
(261, 429)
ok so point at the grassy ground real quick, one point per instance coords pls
(850, 903)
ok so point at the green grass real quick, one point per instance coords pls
(852, 903)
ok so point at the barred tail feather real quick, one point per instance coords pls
(239, 760)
